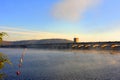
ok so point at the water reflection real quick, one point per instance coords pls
(113, 52)
(65, 65)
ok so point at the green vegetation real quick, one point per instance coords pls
(2, 34)
(3, 57)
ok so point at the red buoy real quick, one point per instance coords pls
(18, 72)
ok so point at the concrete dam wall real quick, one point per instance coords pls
(73, 45)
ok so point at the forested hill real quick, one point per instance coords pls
(43, 41)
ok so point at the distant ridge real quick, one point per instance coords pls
(42, 41)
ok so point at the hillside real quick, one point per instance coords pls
(43, 41)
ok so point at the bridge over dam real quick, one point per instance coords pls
(72, 45)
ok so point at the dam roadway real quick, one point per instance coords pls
(72, 45)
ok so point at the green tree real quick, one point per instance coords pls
(2, 34)
(3, 57)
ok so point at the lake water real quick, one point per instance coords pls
(62, 65)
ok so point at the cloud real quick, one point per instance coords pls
(23, 34)
(26, 34)
(73, 9)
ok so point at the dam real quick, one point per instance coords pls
(69, 45)
(82, 45)
(78, 46)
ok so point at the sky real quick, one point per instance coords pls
(89, 20)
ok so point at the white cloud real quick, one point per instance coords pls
(73, 9)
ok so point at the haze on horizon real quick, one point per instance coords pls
(90, 20)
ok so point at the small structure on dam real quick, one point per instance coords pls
(76, 40)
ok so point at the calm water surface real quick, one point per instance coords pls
(63, 65)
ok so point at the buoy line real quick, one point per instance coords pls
(18, 72)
